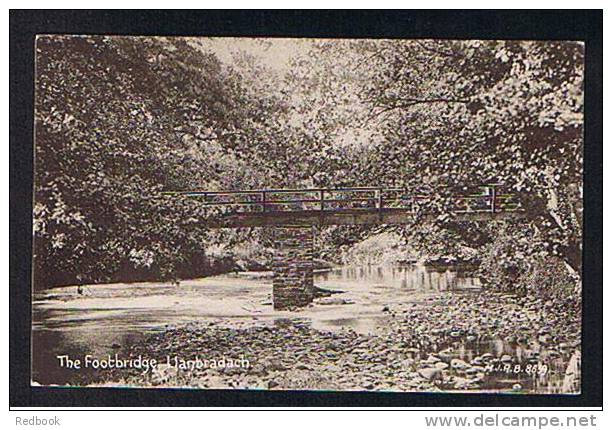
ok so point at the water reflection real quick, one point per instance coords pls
(374, 286)
(534, 367)
(405, 278)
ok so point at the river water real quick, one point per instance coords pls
(108, 317)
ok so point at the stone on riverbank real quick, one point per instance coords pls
(413, 351)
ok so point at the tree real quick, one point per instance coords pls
(469, 112)
(117, 121)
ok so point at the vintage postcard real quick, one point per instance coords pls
(308, 214)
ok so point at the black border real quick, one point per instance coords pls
(584, 25)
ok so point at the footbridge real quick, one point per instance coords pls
(293, 214)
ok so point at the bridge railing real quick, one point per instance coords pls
(486, 198)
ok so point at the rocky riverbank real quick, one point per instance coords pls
(476, 341)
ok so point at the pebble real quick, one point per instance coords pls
(299, 357)
(458, 364)
(441, 365)
(430, 373)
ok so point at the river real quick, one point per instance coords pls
(108, 317)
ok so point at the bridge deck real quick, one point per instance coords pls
(340, 217)
(345, 206)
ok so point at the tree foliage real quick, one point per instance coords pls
(119, 119)
(506, 112)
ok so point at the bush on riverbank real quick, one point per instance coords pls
(517, 261)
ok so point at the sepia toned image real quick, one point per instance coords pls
(308, 214)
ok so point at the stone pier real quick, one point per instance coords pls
(293, 284)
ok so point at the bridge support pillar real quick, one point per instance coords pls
(293, 283)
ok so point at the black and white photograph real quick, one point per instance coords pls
(346, 215)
